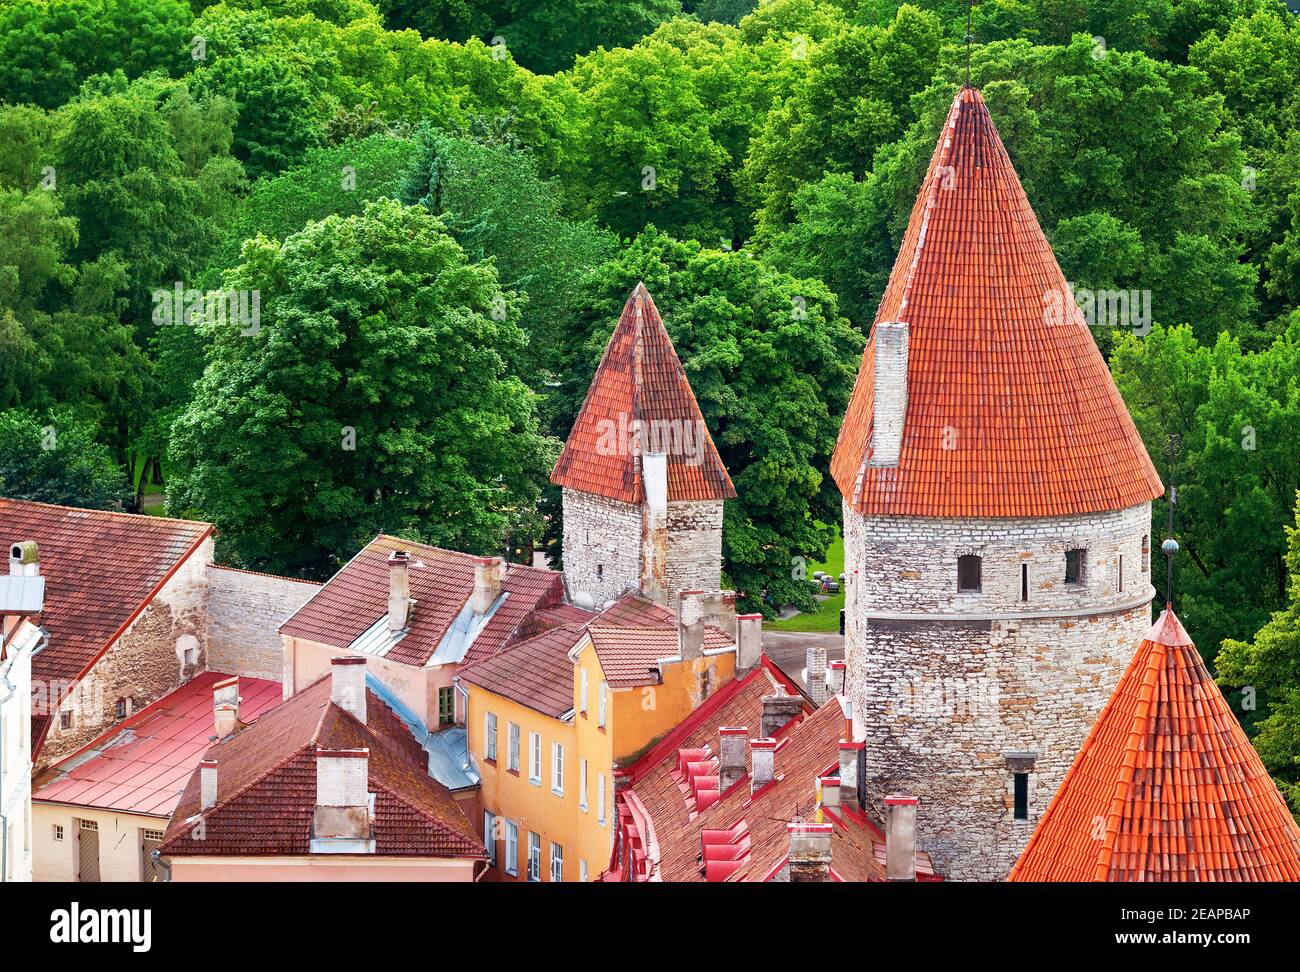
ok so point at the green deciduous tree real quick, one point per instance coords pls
(57, 459)
(378, 393)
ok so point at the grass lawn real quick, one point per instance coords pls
(828, 618)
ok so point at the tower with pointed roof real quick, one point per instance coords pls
(996, 500)
(1167, 787)
(643, 484)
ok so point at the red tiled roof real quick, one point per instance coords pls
(1166, 787)
(536, 673)
(266, 786)
(441, 583)
(640, 382)
(1011, 410)
(100, 568)
(142, 765)
(634, 633)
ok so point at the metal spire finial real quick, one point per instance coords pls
(1170, 547)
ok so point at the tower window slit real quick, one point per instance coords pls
(1021, 796)
(1024, 582)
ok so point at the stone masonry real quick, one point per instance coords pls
(956, 692)
(245, 611)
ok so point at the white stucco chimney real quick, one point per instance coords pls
(342, 822)
(835, 677)
(889, 392)
(749, 642)
(900, 837)
(654, 527)
(849, 774)
(399, 590)
(809, 858)
(225, 706)
(762, 754)
(489, 575)
(731, 756)
(348, 685)
(24, 558)
(207, 784)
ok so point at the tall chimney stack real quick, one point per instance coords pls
(900, 837)
(815, 674)
(835, 677)
(207, 784)
(890, 392)
(762, 753)
(342, 797)
(225, 706)
(849, 774)
(489, 575)
(731, 756)
(749, 643)
(690, 624)
(810, 852)
(399, 590)
(348, 685)
(778, 710)
(654, 527)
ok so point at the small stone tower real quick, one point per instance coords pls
(643, 483)
(996, 516)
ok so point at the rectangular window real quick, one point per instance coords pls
(490, 735)
(968, 573)
(58, 831)
(1074, 563)
(1022, 796)
(119, 710)
(534, 856)
(1024, 582)
(582, 783)
(65, 719)
(1146, 552)
(582, 690)
(602, 704)
(535, 758)
(490, 836)
(446, 706)
(600, 799)
(557, 769)
(557, 862)
(512, 848)
(512, 757)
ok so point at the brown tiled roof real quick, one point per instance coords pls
(100, 568)
(536, 673)
(1011, 410)
(640, 380)
(441, 583)
(1166, 787)
(266, 786)
(634, 633)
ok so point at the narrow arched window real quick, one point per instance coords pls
(968, 573)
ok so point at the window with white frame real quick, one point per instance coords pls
(582, 690)
(534, 856)
(582, 783)
(602, 704)
(600, 799)
(490, 735)
(512, 847)
(535, 758)
(58, 831)
(490, 836)
(557, 862)
(557, 769)
(512, 757)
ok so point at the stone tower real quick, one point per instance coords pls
(996, 505)
(642, 481)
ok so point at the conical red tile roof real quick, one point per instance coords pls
(1166, 787)
(1011, 410)
(640, 380)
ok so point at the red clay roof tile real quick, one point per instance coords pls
(536, 673)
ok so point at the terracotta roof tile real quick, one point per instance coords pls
(1011, 410)
(266, 786)
(536, 673)
(640, 383)
(1166, 787)
(441, 583)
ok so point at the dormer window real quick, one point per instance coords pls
(1074, 564)
(968, 573)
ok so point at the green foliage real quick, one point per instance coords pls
(771, 363)
(57, 460)
(49, 47)
(373, 325)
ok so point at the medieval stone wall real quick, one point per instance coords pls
(602, 545)
(245, 611)
(947, 685)
(694, 546)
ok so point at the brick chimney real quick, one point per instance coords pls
(348, 685)
(749, 643)
(900, 837)
(810, 852)
(342, 795)
(399, 590)
(207, 784)
(814, 674)
(849, 774)
(654, 527)
(762, 771)
(225, 706)
(489, 576)
(890, 393)
(778, 710)
(835, 677)
(24, 558)
(732, 757)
